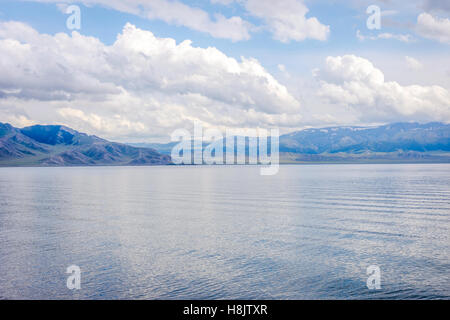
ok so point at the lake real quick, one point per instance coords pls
(226, 232)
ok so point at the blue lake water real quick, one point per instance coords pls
(225, 232)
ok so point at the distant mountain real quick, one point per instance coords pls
(388, 138)
(163, 148)
(393, 142)
(62, 146)
(410, 142)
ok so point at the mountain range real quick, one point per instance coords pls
(62, 146)
(56, 145)
(397, 142)
(414, 142)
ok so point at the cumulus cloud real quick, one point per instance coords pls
(140, 84)
(287, 20)
(355, 82)
(434, 28)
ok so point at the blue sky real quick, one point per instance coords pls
(105, 23)
(306, 63)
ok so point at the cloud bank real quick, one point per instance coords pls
(143, 87)
(140, 84)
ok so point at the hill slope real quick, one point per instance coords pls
(62, 146)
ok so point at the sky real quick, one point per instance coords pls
(135, 71)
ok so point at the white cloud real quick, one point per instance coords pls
(413, 64)
(434, 28)
(354, 82)
(287, 20)
(176, 13)
(386, 36)
(139, 85)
